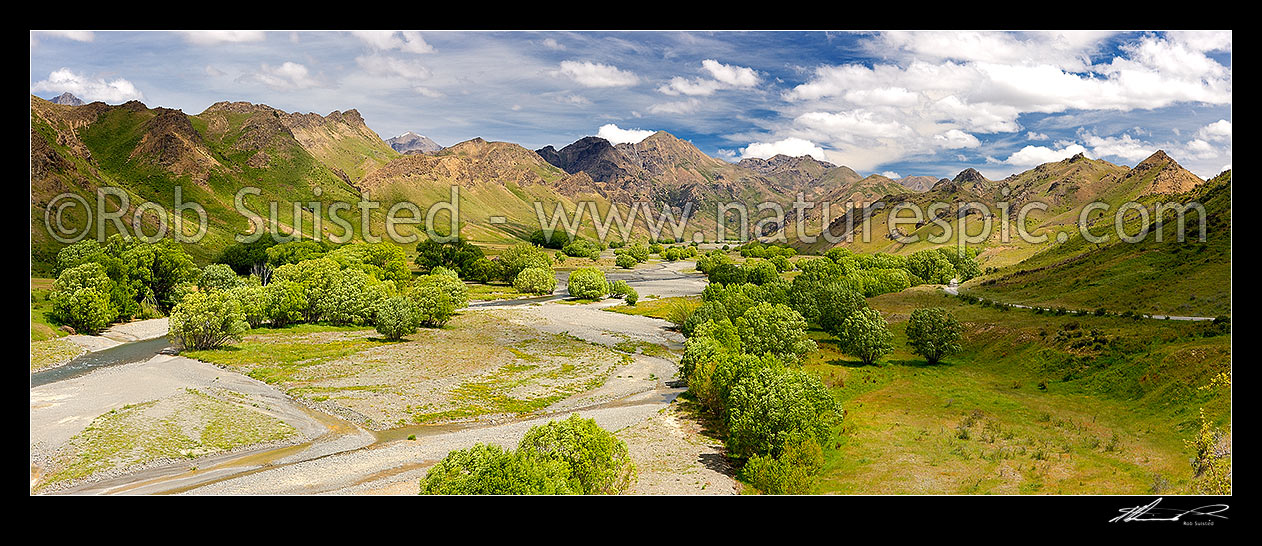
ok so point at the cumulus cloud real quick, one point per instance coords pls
(214, 37)
(289, 75)
(87, 87)
(1125, 147)
(552, 44)
(618, 135)
(939, 90)
(407, 41)
(1030, 156)
(1218, 131)
(955, 139)
(589, 74)
(891, 175)
(730, 74)
(722, 76)
(793, 147)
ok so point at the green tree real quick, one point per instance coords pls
(771, 407)
(588, 284)
(254, 302)
(286, 303)
(80, 298)
(520, 257)
(492, 470)
(835, 302)
(598, 461)
(217, 277)
(207, 321)
(866, 335)
(625, 261)
(396, 317)
(933, 333)
(458, 255)
(774, 329)
(536, 280)
(434, 307)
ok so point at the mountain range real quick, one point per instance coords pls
(212, 154)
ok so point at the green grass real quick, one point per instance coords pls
(277, 355)
(490, 292)
(1190, 278)
(1110, 419)
(657, 308)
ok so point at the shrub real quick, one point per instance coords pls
(761, 272)
(482, 270)
(217, 277)
(625, 261)
(434, 306)
(598, 461)
(253, 301)
(286, 302)
(492, 470)
(774, 329)
(536, 280)
(458, 255)
(710, 310)
(619, 288)
(81, 298)
(632, 296)
(456, 291)
(835, 303)
(207, 321)
(792, 473)
(933, 333)
(396, 317)
(588, 284)
(520, 257)
(771, 407)
(350, 297)
(866, 335)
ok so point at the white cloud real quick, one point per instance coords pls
(76, 35)
(1030, 156)
(589, 74)
(955, 139)
(1199, 149)
(427, 92)
(1125, 147)
(982, 83)
(891, 175)
(730, 74)
(722, 76)
(793, 147)
(552, 44)
(1217, 131)
(214, 37)
(618, 135)
(213, 72)
(88, 88)
(677, 108)
(381, 65)
(684, 86)
(289, 75)
(407, 41)
(577, 100)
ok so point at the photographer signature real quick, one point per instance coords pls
(1150, 512)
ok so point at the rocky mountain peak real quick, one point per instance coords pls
(969, 175)
(67, 99)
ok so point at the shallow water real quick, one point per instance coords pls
(135, 351)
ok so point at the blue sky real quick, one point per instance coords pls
(905, 103)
